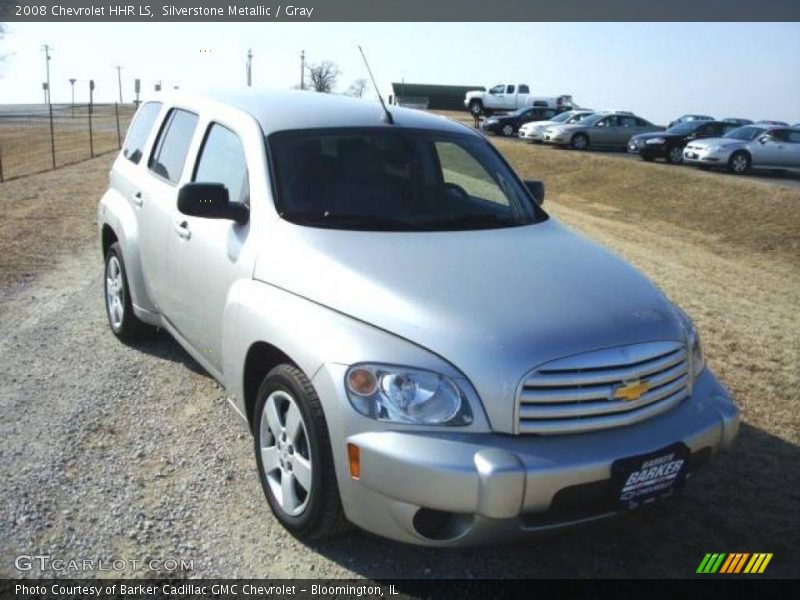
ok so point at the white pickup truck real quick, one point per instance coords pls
(509, 96)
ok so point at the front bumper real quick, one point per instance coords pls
(558, 139)
(530, 135)
(704, 156)
(449, 488)
(647, 150)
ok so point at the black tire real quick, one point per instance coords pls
(675, 155)
(128, 328)
(323, 515)
(739, 162)
(507, 130)
(579, 141)
(476, 108)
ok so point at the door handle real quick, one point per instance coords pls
(182, 229)
(137, 199)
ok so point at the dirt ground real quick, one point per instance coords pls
(726, 250)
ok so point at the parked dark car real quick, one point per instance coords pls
(773, 123)
(509, 123)
(669, 144)
(687, 118)
(737, 121)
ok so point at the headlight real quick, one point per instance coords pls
(655, 140)
(716, 148)
(697, 359)
(403, 395)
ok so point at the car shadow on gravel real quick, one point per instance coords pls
(746, 500)
(162, 345)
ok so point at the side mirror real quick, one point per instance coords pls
(536, 188)
(210, 201)
(765, 138)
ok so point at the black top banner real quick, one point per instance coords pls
(400, 10)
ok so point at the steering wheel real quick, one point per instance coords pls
(454, 188)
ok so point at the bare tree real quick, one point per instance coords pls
(2, 34)
(357, 88)
(323, 76)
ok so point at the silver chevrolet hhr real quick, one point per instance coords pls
(417, 347)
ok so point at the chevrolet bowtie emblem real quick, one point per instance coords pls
(631, 390)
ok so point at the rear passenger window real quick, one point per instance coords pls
(139, 131)
(793, 137)
(523, 89)
(173, 143)
(222, 161)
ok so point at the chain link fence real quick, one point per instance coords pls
(36, 138)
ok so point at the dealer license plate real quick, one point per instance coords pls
(643, 478)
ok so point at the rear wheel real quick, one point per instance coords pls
(579, 142)
(294, 458)
(739, 162)
(119, 308)
(675, 155)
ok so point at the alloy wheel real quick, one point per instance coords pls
(285, 452)
(739, 163)
(676, 155)
(115, 292)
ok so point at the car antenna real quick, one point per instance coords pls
(387, 116)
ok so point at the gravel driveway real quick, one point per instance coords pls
(111, 451)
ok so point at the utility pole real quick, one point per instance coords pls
(72, 83)
(249, 67)
(47, 49)
(302, 69)
(119, 82)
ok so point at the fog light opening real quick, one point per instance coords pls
(441, 525)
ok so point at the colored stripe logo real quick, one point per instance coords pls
(734, 563)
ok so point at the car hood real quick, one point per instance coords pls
(494, 303)
(538, 124)
(724, 142)
(641, 137)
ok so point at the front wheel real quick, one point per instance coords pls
(579, 142)
(739, 163)
(476, 108)
(293, 453)
(675, 155)
(508, 130)
(119, 308)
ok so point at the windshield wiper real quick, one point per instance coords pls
(476, 221)
(349, 221)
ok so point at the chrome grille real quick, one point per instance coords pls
(577, 393)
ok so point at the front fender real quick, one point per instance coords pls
(310, 334)
(116, 212)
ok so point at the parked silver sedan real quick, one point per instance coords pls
(604, 130)
(532, 132)
(751, 146)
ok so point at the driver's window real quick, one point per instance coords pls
(602, 123)
(510, 89)
(498, 89)
(222, 160)
(462, 170)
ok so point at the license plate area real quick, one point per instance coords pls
(646, 477)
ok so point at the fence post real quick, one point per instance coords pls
(91, 138)
(119, 135)
(1, 165)
(52, 135)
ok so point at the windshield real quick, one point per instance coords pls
(395, 180)
(745, 133)
(684, 128)
(592, 119)
(561, 118)
(579, 117)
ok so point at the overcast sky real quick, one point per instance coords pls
(659, 70)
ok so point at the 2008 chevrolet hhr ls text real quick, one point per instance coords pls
(417, 347)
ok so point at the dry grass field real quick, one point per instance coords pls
(726, 250)
(25, 143)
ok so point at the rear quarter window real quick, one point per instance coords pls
(140, 130)
(172, 146)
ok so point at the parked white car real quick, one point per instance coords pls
(752, 146)
(510, 96)
(532, 132)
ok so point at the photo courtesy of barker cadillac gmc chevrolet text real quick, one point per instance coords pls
(417, 347)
